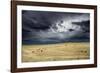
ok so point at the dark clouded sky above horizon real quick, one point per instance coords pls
(42, 27)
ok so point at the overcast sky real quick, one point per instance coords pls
(40, 27)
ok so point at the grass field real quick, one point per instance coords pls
(55, 52)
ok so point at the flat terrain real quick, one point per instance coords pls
(55, 52)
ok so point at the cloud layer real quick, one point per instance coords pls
(40, 27)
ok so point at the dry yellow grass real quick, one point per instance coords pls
(55, 52)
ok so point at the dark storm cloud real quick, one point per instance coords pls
(43, 20)
(84, 24)
(54, 27)
(34, 20)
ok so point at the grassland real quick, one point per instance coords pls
(55, 52)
